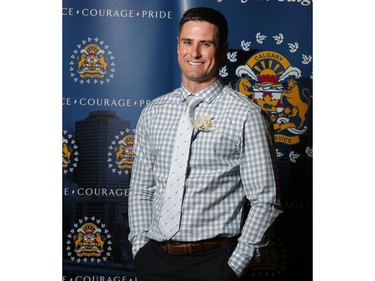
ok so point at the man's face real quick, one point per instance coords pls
(198, 53)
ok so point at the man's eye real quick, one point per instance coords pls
(207, 44)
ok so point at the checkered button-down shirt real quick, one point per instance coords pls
(227, 167)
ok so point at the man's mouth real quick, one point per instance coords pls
(195, 62)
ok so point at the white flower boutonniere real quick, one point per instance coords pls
(203, 124)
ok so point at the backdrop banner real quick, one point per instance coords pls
(118, 55)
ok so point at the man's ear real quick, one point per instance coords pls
(223, 52)
(178, 39)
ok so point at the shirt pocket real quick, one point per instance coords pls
(226, 147)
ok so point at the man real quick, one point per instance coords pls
(230, 164)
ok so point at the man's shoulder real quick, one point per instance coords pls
(168, 98)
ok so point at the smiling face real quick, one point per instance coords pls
(199, 55)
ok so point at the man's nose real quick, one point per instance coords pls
(195, 51)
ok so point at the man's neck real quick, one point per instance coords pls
(196, 87)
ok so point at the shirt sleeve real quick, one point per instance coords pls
(259, 178)
(142, 186)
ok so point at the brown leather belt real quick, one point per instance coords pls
(189, 248)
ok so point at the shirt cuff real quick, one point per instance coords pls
(138, 243)
(239, 261)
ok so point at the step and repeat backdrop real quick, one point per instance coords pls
(118, 55)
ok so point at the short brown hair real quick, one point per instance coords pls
(209, 15)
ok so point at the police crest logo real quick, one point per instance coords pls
(92, 62)
(262, 79)
(269, 79)
(69, 153)
(88, 241)
(121, 154)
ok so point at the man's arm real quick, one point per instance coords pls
(258, 174)
(142, 187)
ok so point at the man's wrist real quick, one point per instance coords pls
(137, 244)
(239, 262)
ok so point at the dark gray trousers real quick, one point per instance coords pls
(152, 263)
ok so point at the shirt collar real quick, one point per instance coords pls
(208, 94)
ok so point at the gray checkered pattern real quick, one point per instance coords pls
(227, 167)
